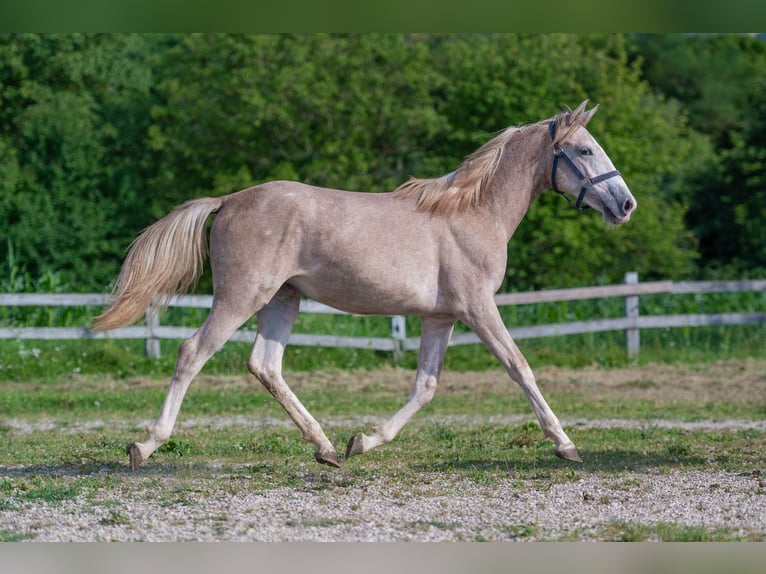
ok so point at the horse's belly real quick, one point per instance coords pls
(364, 296)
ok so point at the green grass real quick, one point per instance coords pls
(663, 532)
(271, 455)
(125, 358)
(43, 488)
(13, 536)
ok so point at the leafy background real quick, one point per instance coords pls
(101, 134)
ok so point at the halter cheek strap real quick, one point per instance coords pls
(585, 182)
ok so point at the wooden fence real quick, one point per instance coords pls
(631, 323)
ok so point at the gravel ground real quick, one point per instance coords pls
(438, 510)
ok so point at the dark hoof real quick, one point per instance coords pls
(136, 458)
(568, 453)
(355, 445)
(328, 458)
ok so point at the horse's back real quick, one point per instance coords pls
(362, 252)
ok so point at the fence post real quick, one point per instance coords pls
(632, 336)
(398, 334)
(152, 343)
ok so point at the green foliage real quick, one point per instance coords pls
(70, 124)
(354, 112)
(101, 134)
(719, 81)
(17, 279)
(713, 76)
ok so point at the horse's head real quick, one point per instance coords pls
(581, 168)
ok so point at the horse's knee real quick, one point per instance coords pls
(266, 375)
(194, 345)
(254, 367)
(257, 370)
(425, 390)
(523, 376)
(187, 359)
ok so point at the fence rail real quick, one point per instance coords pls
(632, 323)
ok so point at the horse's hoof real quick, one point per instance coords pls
(568, 453)
(136, 458)
(328, 458)
(355, 445)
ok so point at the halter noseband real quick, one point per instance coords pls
(585, 182)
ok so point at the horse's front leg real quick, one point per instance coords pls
(486, 322)
(435, 336)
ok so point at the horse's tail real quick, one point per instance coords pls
(166, 258)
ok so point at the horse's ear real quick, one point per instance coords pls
(586, 117)
(575, 117)
(568, 121)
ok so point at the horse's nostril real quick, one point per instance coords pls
(628, 205)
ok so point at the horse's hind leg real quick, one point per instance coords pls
(275, 321)
(192, 356)
(435, 336)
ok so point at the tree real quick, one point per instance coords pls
(720, 81)
(68, 115)
(346, 111)
(101, 134)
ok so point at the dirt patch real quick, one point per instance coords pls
(730, 381)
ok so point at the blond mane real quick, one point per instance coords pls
(462, 188)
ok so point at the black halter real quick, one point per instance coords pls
(585, 182)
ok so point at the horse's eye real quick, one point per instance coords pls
(586, 151)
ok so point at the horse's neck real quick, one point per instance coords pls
(520, 178)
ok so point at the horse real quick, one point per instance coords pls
(435, 248)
